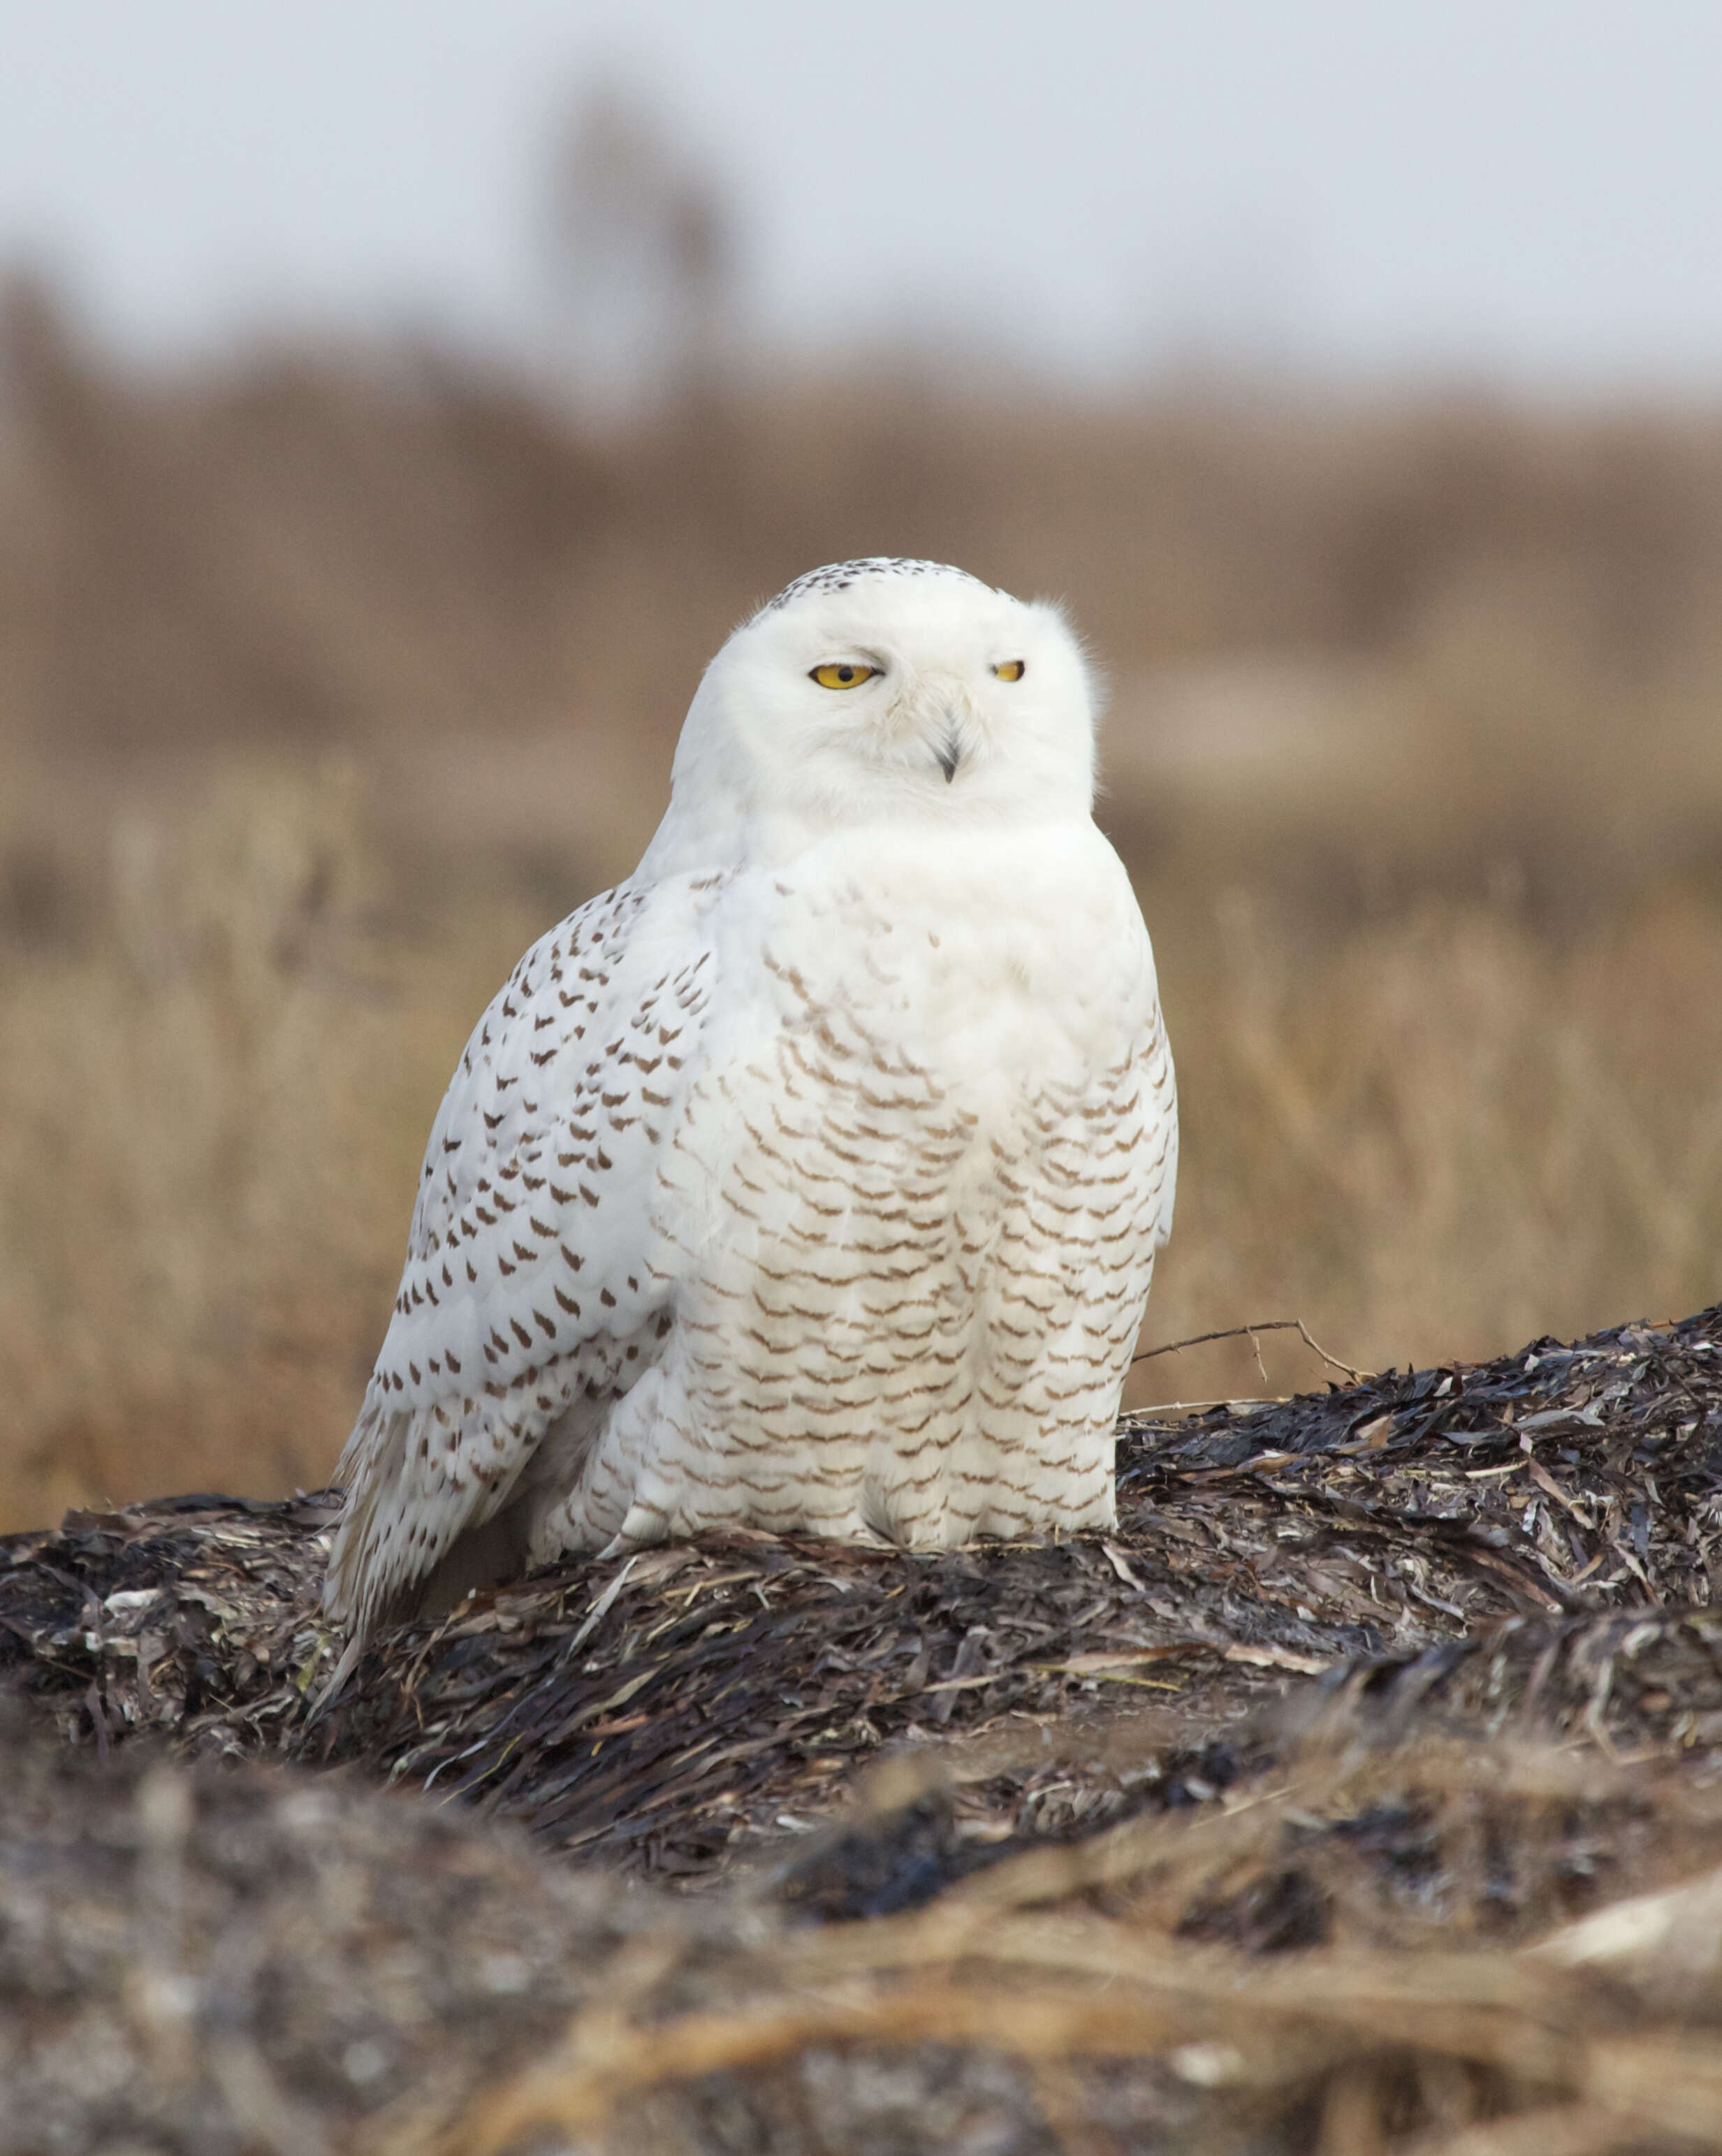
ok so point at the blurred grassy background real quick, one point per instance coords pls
(1415, 753)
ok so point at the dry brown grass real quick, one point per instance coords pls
(1415, 756)
(1440, 1132)
(211, 1109)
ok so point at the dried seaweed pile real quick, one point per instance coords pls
(233, 1960)
(1457, 1542)
(1301, 1813)
(206, 1959)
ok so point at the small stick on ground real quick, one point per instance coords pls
(1248, 1332)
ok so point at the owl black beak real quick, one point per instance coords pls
(951, 755)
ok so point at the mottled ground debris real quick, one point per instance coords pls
(1306, 1812)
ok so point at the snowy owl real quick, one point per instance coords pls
(813, 1178)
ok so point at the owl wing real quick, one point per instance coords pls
(539, 1269)
(1160, 1100)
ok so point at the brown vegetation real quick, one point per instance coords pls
(1359, 1795)
(1414, 753)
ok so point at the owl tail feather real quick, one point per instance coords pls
(365, 1559)
(404, 1551)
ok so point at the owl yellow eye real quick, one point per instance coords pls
(1013, 670)
(840, 674)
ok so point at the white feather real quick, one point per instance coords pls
(813, 1177)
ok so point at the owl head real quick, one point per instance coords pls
(884, 690)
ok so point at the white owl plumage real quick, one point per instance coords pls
(812, 1177)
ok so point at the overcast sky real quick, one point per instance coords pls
(1530, 189)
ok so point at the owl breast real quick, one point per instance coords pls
(931, 1181)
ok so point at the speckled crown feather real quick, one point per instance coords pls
(839, 576)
